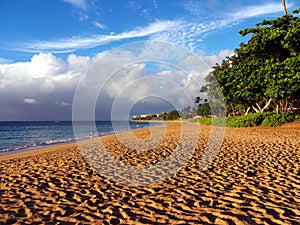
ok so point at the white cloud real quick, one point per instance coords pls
(62, 103)
(56, 82)
(65, 103)
(124, 86)
(257, 10)
(191, 34)
(55, 87)
(213, 59)
(44, 66)
(187, 32)
(44, 76)
(134, 5)
(196, 8)
(78, 63)
(77, 3)
(71, 44)
(30, 101)
(99, 25)
(155, 5)
(5, 61)
(41, 65)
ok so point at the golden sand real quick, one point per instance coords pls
(253, 180)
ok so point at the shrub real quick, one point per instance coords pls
(219, 121)
(206, 121)
(277, 119)
(248, 120)
(194, 120)
(288, 117)
(271, 121)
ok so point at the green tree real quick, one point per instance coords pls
(172, 115)
(265, 72)
(204, 110)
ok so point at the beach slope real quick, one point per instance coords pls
(253, 180)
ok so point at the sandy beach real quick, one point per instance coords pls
(253, 180)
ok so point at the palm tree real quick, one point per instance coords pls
(284, 7)
(197, 103)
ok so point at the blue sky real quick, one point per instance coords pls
(43, 41)
(88, 27)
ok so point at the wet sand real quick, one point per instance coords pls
(253, 180)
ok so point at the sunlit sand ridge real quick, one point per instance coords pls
(253, 180)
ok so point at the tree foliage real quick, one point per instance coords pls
(264, 72)
(204, 110)
(172, 115)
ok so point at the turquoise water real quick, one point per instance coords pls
(25, 135)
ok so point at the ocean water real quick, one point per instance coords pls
(27, 135)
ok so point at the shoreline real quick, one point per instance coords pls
(71, 143)
(36, 149)
(33, 146)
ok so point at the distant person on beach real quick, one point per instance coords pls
(91, 134)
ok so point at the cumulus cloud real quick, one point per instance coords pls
(46, 78)
(40, 65)
(51, 82)
(78, 63)
(132, 78)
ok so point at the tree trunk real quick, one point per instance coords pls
(247, 110)
(284, 7)
(286, 107)
(259, 109)
(232, 108)
(255, 109)
(267, 105)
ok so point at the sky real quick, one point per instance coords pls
(48, 47)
